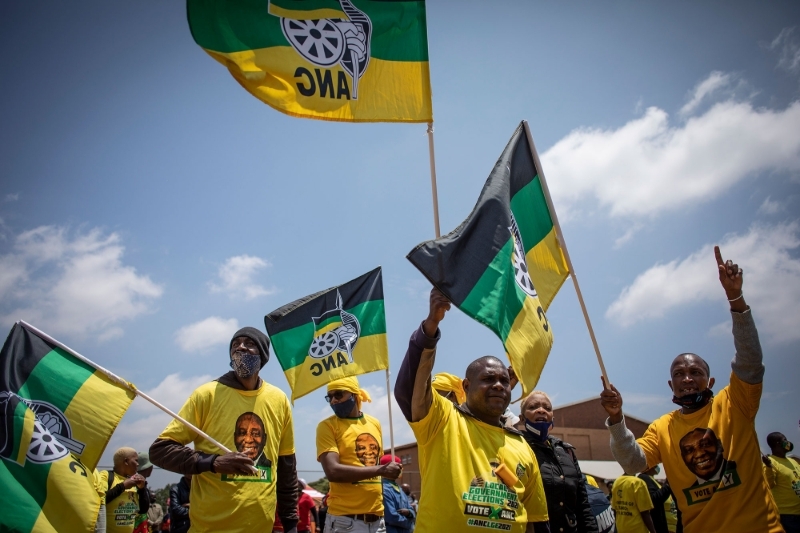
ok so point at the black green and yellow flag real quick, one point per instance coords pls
(343, 60)
(503, 265)
(335, 333)
(56, 417)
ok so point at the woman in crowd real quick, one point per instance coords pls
(567, 502)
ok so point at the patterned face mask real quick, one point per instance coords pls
(245, 364)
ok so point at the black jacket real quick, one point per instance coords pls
(567, 503)
(178, 514)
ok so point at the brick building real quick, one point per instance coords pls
(580, 423)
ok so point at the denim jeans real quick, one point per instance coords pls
(343, 524)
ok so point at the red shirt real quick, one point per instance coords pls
(304, 506)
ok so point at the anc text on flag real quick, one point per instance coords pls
(56, 416)
(503, 265)
(341, 60)
(335, 333)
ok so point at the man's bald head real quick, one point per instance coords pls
(687, 358)
(477, 366)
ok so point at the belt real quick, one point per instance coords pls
(368, 517)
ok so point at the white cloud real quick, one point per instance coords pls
(715, 80)
(206, 333)
(627, 236)
(788, 49)
(769, 207)
(649, 166)
(236, 277)
(771, 282)
(72, 284)
(12, 197)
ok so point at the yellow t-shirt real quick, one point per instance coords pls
(671, 512)
(121, 511)
(358, 442)
(258, 423)
(592, 481)
(784, 477)
(713, 463)
(629, 498)
(474, 476)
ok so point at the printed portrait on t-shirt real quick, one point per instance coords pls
(368, 450)
(702, 453)
(249, 436)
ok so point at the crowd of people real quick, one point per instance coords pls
(481, 466)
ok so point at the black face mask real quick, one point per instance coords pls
(694, 401)
(343, 409)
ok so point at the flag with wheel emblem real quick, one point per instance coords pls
(332, 334)
(56, 417)
(341, 60)
(503, 265)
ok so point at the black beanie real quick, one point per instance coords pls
(261, 340)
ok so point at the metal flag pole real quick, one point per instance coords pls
(563, 244)
(122, 383)
(391, 426)
(434, 192)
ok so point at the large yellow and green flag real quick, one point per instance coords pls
(343, 60)
(56, 417)
(503, 265)
(335, 333)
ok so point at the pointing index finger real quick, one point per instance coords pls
(718, 255)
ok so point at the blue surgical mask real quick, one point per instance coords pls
(343, 409)
(538, 430)
(245, 364)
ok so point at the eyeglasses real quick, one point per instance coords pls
(335, 395)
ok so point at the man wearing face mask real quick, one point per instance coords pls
(236, 491)
(658, 495)
(783, 477)
(349, 446)
(709, 433)
(477, 474)
(567, 501)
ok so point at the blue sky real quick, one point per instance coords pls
(149, 206)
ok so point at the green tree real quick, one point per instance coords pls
(322, 485)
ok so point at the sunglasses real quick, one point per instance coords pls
(335, 395)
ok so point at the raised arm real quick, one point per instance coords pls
(747, 363)
(413, 386)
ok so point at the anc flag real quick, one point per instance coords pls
(332, 334)
(56, 417)
(343, 60)
(503, 265)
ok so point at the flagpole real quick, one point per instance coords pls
(391, 426)
(434, 191)
(125, 384)
(563, 243)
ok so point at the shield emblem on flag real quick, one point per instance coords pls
(334, 330)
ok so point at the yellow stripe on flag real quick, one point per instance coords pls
(389, 91)
(99, 406)
(26, 437)
(528, 336)
(547, 267)
(371, 354)
(72, 502)
(311, 14)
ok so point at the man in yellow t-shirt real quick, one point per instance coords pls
(631, 502)
(349, 447)
(709, 446)
(783, 478)
(476, 473)
(238, 491)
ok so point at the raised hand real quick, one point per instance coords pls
(439, 305)
(730, 277)
(611, 400)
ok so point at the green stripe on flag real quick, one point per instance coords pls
(292, 345)
(57, 377)
(26, 487)
(531, 213)
(398, 28)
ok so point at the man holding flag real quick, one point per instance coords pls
(238, 490)
(476, 473)
(349, 447)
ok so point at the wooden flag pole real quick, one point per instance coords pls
(122, 383)
(434, 191)
(563, 243)
(391, 426)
